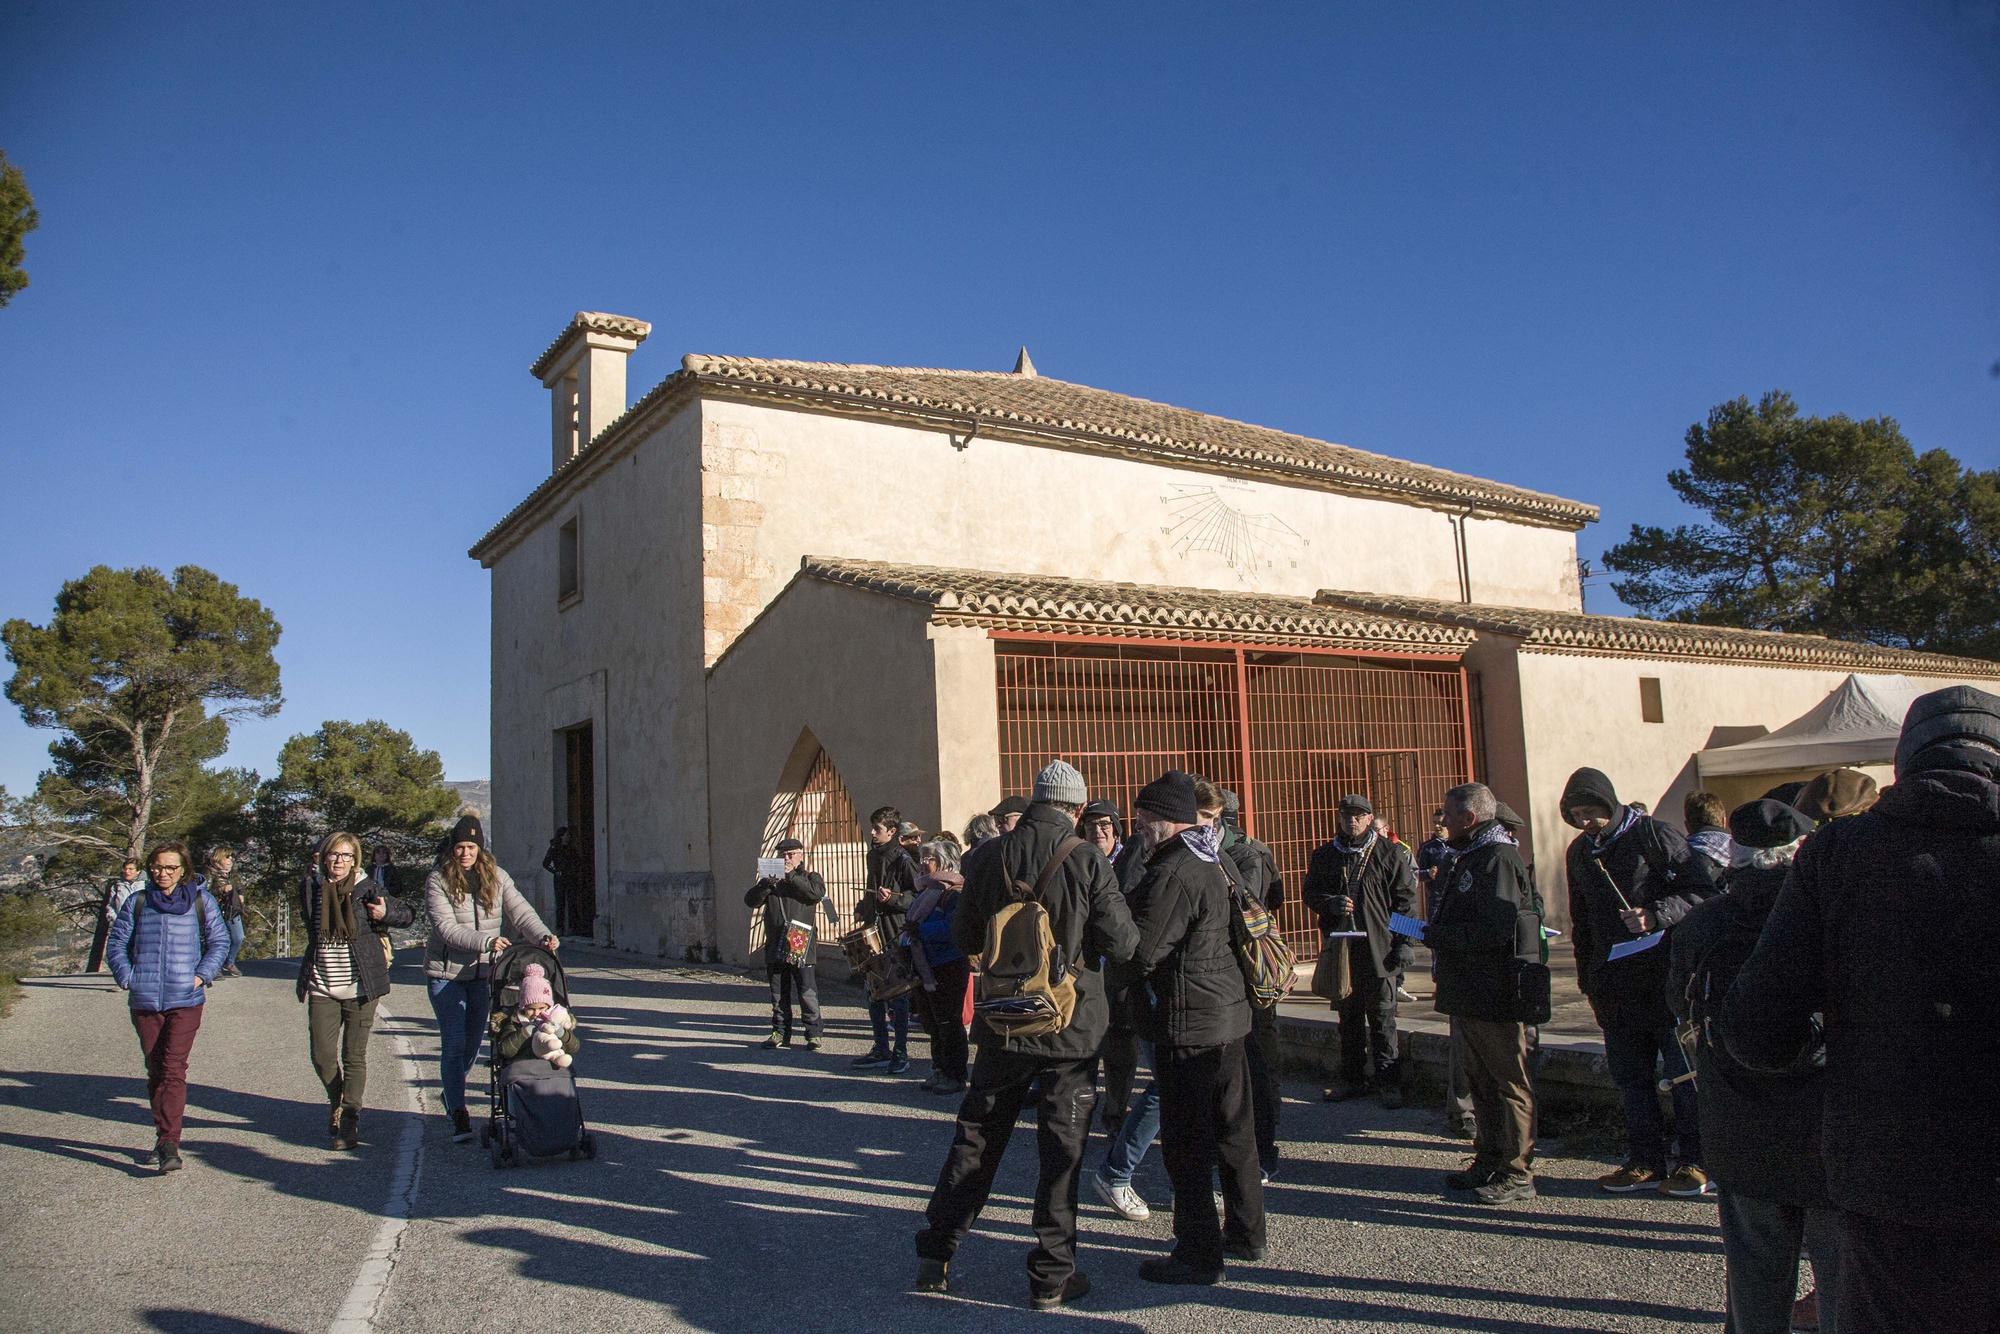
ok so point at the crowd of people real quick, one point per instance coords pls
(1805, 977)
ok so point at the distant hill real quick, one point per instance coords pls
(478, 794)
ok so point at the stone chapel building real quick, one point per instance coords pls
(770, 596)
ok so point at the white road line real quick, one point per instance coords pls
(371, 1284)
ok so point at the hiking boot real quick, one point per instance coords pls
(775, 1041)
(1124, 1201)
(347, 1128)
(1167, 1269)
(1687, 1183)
(1472, 1177)
(1244, 1251)
(873, 1060)
(899, 1064)
(1074, 1288)
(1628, 1178)
(1505, 1190)
(461, 1126)
(930, 1276)
(167, 1156)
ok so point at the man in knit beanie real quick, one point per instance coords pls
(1090, 923)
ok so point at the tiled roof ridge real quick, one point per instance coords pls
(1307, 454)
(1598, 632)
(955, 594)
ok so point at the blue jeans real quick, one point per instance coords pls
(1633, 1054)
(1135, 1136)
(235, 941)
(881, 1014)
(461, 1009)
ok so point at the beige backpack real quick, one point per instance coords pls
(1026, 988)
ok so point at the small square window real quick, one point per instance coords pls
(569, 563)
(1650, 708)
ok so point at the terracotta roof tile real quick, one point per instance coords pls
(1082, 606)
(1619, 636)
(1034, 402)
(590, 321)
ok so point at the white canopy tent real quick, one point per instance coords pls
(1857, 725)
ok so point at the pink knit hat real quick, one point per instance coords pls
(535, 988)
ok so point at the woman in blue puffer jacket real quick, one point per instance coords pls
(165, 948)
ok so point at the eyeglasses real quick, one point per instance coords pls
(160, 868)
(340, 856)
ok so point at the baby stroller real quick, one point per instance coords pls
(535, 1111)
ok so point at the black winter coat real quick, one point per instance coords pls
(1385, 882)
(795, 895)
(371, 971)
(1886, 928)
(1760, 1133)
(1086, 913)
(1195, 994)
(889, 864)
(1486, 921)
(1653, 866)
(1257, 866)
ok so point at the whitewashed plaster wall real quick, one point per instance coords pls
(625, 656)
(780, 484)
(1578, 710)
(854, 670)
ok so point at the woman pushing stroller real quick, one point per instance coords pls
(476, 914)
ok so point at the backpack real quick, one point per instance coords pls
(1709, 981)
(1026, 988)
(1270, 969)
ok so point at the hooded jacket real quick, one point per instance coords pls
(1652, 865)
(1380, 880)
(1886, 928)
(1760, 1132)
(1086, 913)
(1193, 984)
(156, 956)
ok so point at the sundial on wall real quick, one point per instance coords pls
(1200, 518)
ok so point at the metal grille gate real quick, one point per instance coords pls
(1290, 730)
(821, 816)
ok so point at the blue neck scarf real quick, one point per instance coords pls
(174, 904)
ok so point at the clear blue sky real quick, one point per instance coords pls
(294, 261)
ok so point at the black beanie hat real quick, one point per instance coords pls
(467, 830)
(1956, 713)
(1785, 793)
(1170, 796)
(1768, 824)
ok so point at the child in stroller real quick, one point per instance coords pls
(535, 1111)
(538, 1026)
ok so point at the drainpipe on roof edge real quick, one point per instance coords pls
(1457, 522)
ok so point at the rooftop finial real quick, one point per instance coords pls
(1024, 364)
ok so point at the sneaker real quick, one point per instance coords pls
(1124, 1201)
(1166, 1269)
(1687, 1183)
(871, 1061)
(168, 1156)
(899, 1065)
(1405, 996)
(231, 970)
(812, 1044)
(1628, 1178)
(1472, 1177)
(1505, 1190)
(775, 1041)
(930, 1276)
(1244, 1251)
(1074, 1288)
(461, 1126)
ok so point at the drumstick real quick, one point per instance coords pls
(1623, 902)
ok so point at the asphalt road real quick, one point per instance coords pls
(734, 1189)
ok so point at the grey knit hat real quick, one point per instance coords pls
(1060, 782)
